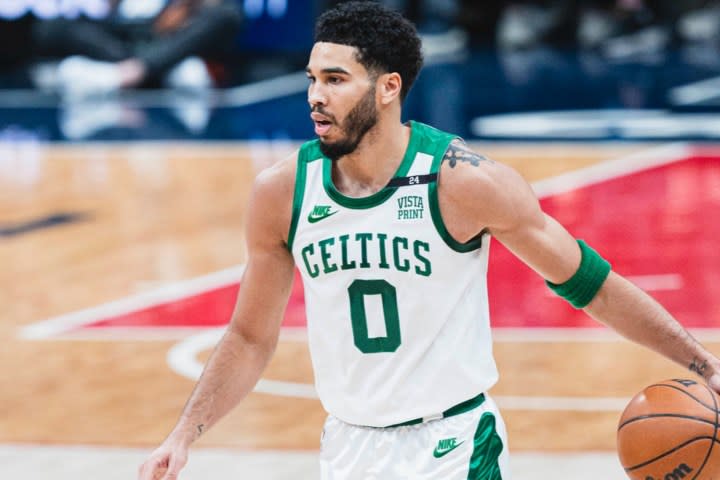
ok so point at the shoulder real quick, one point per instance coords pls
(278, 179)
(475, 188)
(464, 171)
(270, 207)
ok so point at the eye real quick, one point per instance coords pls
(334, 80)
(311, 79)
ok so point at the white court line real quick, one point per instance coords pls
(175, 291)
(622, 166)
(182, 359)
(562, 404)
(597, 334)
(658, 282)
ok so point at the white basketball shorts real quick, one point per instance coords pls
(467, 446)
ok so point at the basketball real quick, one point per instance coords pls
(669, 432)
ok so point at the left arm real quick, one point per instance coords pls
(480, 194)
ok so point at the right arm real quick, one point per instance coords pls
(479, 195)
(245, 349)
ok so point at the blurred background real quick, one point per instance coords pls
(74, 70)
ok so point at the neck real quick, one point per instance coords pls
(371, 166)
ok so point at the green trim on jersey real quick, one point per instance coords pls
(380, 196)
(308, 152)
(486, 450)
(442, 142)
(423, 138)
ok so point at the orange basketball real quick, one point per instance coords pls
(671, 431)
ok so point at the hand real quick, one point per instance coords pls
(164, 463)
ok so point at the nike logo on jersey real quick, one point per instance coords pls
(445, 446)
(320, 212)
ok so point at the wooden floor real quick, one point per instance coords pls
(153, 214)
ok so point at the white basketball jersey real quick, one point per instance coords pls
(397, 310)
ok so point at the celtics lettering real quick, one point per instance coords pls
(365, 250)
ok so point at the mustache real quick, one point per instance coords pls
(321, 111)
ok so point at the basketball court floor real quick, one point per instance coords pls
(121, 261)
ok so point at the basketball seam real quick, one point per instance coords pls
(712, 444)
(668, 415)
(673, 450)
(685, 392)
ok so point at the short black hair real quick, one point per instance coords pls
(386, 41)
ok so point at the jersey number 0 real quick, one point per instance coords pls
(357, 291)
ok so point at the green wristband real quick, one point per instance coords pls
(582, 287)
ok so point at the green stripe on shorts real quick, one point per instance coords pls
(486, 450)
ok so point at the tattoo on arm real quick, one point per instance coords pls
(459, 152)
(698, 367)
(200, 429)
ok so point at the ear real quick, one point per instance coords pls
(388, 87)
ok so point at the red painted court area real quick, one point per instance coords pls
(659, 226)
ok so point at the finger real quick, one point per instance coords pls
(168, 475)
(149, 469)
(714, 382)
(176, 463)
(146, 471)
(159, 473)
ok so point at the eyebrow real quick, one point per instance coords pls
(329, 70)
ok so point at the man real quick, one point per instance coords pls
(389, 224)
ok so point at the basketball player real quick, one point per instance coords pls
(389, 224)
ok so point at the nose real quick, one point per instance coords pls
(316, 95)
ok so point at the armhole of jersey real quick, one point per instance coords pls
(298, 195)
(472, 244)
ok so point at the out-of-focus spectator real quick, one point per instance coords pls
(527, 24)
(618, 28)
(623, 29)
(140, 43)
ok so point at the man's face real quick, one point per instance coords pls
(342, 98)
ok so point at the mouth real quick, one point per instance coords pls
(321, 128)
(322, 124)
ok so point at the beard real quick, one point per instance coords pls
(358, 122)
